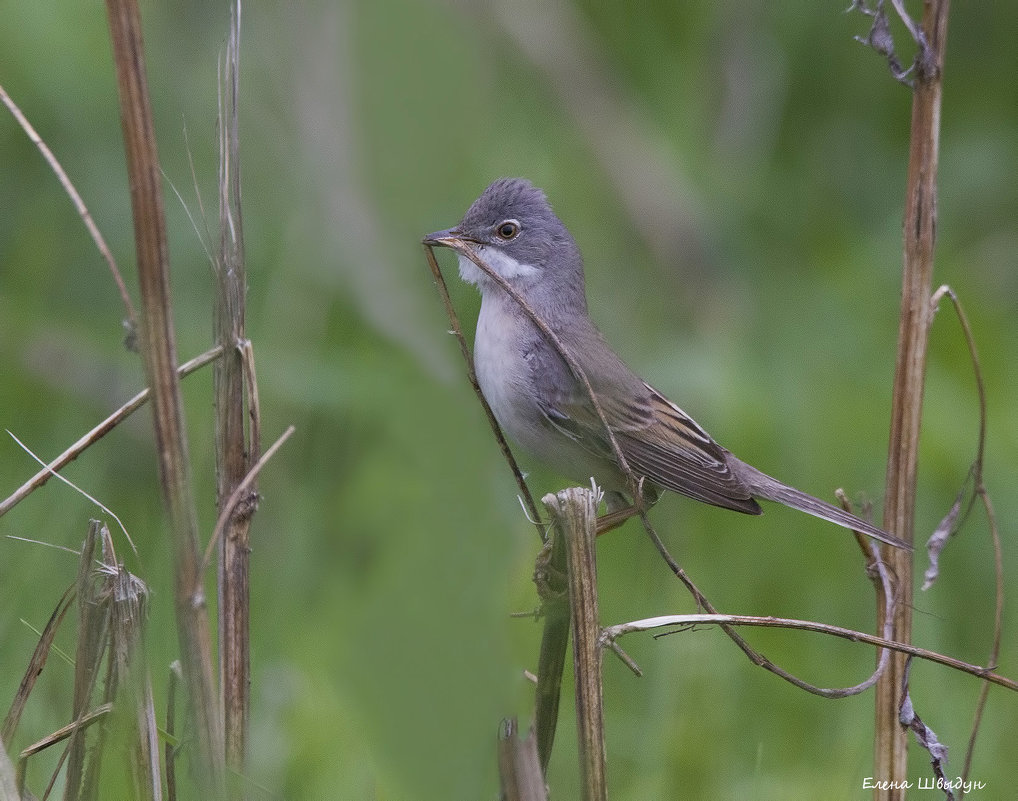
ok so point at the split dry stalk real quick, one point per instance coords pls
(236, 445)
(574, 514)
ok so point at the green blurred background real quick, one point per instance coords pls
(734, 174)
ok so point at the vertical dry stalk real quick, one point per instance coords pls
(574, 514)
(233, 458)
(919, 234)
(160, 356)
(111, 605)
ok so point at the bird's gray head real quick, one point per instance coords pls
(515, 232)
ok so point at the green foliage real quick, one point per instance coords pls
(389, 549)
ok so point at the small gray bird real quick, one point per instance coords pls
(547, 410)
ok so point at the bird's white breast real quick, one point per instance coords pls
(503, 350)
(501, 366)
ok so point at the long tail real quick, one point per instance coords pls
(770, 489)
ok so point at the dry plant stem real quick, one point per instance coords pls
(159, 350)
(549, 576)
(574, 514)
(111, 604)
(97, 433)
(234, 454)
(919, 234)
(611, 633)
(79, 204)
(66, 731)
(457, 330)
(519, 769)
(980, 493)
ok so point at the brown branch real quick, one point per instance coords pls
(684, 622)
(97, 433)
(919, 234)
(158, 343)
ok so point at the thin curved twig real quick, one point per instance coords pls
(751, 653)
(131, 322)
(533, 515)
(686, 621)
(979, 491)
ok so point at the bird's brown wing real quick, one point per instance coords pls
(672, 451)
(659, 441)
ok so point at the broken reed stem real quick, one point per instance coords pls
(574, 514)
(919, 234)
(158, 346)
(235, 449)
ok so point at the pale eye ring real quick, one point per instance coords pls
(507, 229)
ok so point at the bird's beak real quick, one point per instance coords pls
(449, 238)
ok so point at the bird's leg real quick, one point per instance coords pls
(620, 509)
(613, 519)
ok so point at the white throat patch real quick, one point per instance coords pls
(504, 265)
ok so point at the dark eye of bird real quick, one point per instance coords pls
(508, 230)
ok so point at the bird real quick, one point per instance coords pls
(542, 400)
